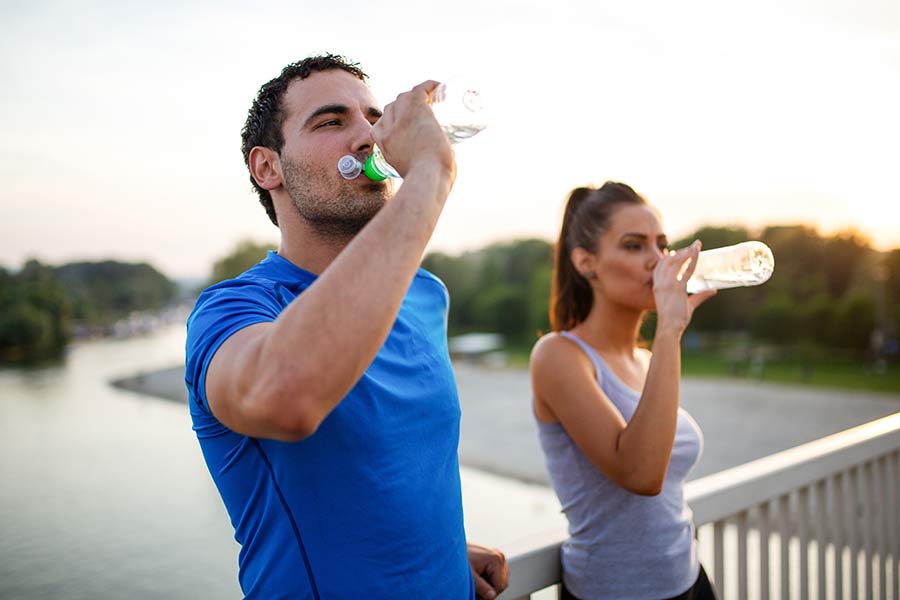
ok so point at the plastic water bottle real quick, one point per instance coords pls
(744, 264)
(459, 110)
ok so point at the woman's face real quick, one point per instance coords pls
(626, 254)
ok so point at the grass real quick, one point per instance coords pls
(835, 372)
(830, 372)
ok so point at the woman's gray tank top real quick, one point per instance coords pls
(622, 545)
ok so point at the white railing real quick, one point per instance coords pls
(821, 520)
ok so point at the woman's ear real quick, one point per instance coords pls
(583, 261)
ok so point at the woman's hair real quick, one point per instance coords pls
(588, 212)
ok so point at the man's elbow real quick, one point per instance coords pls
(283, 417)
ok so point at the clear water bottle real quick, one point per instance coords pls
(459, 110)
(744, 264)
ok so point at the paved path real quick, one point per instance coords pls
(741, 420)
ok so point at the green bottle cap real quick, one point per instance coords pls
(372, 169)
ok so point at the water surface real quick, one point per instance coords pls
(105, 493)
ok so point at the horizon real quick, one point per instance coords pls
(754, 234)
(121, 123)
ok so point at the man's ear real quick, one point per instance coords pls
(265, 167)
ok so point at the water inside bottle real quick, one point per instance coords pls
(460, 109)
(720, 281)
(747, 264)
(457, 133)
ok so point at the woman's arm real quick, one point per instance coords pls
(634, 454)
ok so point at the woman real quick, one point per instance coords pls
(617, 445)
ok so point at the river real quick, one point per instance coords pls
(105, 494)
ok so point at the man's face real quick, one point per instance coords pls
(330, 114)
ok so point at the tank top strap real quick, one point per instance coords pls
(599, 365)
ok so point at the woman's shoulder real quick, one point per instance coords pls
(557, 351)
(551, 343)
(560, 371)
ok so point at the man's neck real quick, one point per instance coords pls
(308, 248)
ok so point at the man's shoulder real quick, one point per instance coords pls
(269, 281)
(243, 287)
(225, 308)
(429, 279)
(253, 296)
(427, 287)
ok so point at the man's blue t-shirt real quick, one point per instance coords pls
(370, 505)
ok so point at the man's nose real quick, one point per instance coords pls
(362, 137)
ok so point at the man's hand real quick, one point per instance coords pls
(489, 569)
(408, 132)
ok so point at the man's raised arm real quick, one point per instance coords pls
(281, 379)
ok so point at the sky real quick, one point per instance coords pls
(120, 121)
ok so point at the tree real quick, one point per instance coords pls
(539, 300)
(502, 309)
(844, 255)
(800, 261)
(27, 333)
(459, 274)
(778, 320)
(502, 288)
(35, 315)
(891, 276)
(853, 322)
(106, 291)
(245, 255)
(714, 237)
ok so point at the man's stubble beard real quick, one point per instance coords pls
(334, 208)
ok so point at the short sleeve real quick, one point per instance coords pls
(221, 311)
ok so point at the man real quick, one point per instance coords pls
(320, 384)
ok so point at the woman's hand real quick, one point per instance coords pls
(674, 307)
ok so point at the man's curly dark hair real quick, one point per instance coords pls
(266, 117)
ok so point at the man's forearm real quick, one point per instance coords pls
(342, 320)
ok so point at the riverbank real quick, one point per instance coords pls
(741, 420)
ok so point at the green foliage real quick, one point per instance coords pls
(845, 254)
(889, 278)
(503, 288)
(504, 308)
(28, 333)
(814, 319)
(103, 292)
(824, 293)
(853, 322)
(40, 305)
(825, 369)
(714, 237)
(35, 314)
(777, 320)
(800, 262)
(648, 328)
(459, 274)
(245, 255)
